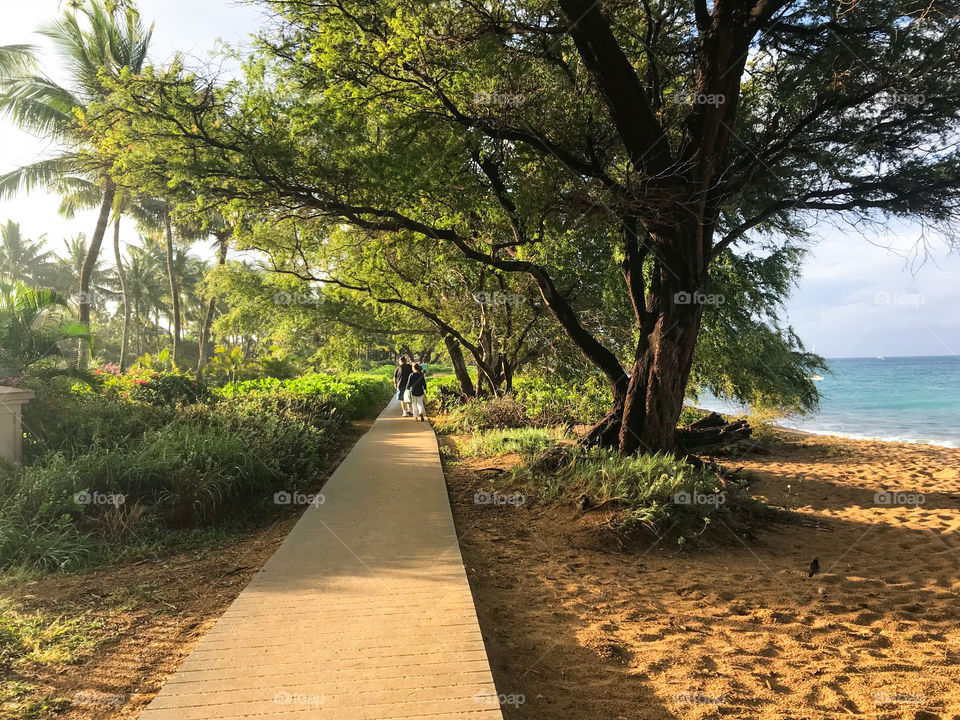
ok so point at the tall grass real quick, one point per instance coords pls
(526, 441)
(659, 493)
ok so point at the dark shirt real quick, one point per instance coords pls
(417, 384)
(401, 375)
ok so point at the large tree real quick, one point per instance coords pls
(671, 138)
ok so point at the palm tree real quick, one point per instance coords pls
(174, 285)
(32, 324)
(222, 231)
(124, 203)
(113, 40)
(69, 267)
(145, 285)
(22, 258)
(156, 218)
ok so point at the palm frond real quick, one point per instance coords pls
(77, 194)
(16, 60)
(45, 173)
(39, 105)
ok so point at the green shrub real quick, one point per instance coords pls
(168, 389)
(59, 419)
(353, 395)
(659, 492)
(179, 457)
(549, 402)
(443, 393)
(483, 414)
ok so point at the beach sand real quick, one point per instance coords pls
(580, 629)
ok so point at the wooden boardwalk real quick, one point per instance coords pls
(364, 611)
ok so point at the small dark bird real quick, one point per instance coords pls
(814, 567)
(584, 503)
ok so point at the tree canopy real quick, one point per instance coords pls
(641, 179)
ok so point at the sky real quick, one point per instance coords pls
(858, 296)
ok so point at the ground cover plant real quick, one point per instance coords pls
(143, 462)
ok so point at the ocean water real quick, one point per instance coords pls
(907, 399)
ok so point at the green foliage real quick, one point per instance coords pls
(658, 492)
(743, 352)
(582, 400)
(169, 389)
(526, 441)
(443, 392)
(535, 401)
(23, 259)
(32, 324)
(118, 471)
(690, 415)
(277, 363)
(226, 364)
(59, 419)
(352, 394)
(161, 362)
(38, 638)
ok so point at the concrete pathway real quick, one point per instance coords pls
(364, 611)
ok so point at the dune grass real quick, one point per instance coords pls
(526, 441)
(658, 493)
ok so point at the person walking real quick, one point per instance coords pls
(400, 377)
(417, 387)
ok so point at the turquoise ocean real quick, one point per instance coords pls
(907, 399)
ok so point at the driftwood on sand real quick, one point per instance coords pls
(709, 432)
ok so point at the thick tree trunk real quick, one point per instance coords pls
(658, 383)
(89, 264)
(122, 276)
(174, 289)
(460, 369)
(224, 239)
(606, 433)
(669, 325)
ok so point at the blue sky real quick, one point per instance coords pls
(856, 298)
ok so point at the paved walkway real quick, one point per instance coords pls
(364, 611)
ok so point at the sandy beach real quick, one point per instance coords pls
(581, 629)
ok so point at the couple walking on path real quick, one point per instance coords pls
(411, 385)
